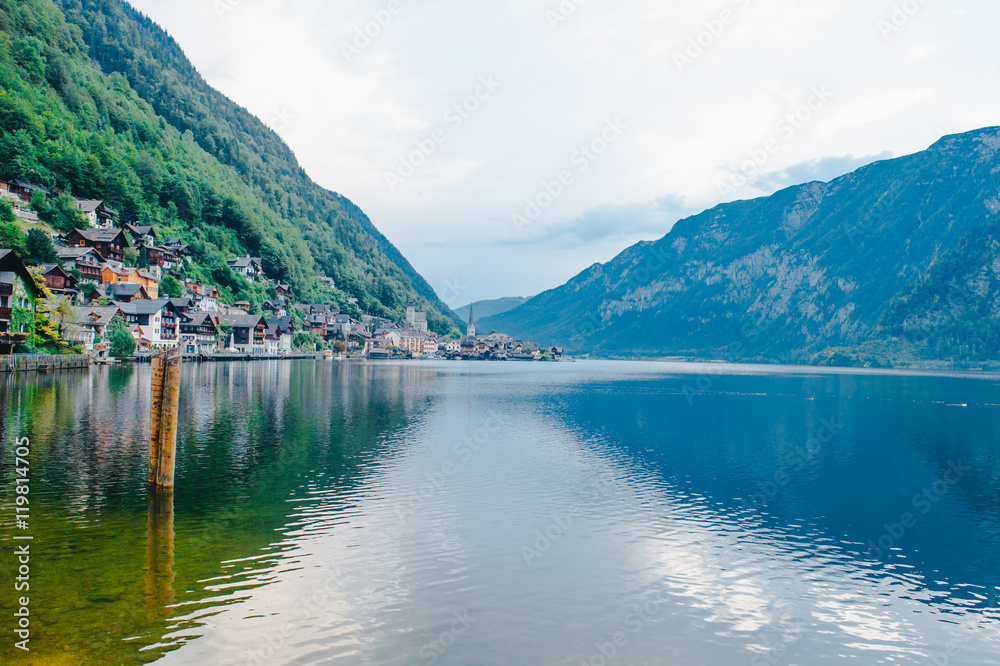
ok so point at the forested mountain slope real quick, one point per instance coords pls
(99, 101)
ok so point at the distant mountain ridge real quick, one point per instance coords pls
(489, 308)
(894, 262)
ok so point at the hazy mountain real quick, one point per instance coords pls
(489, 308)
(894, 261)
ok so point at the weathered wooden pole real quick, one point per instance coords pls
(159, 577)
(166, 393)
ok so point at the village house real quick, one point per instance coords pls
(132, 276)
(96, 213)
(111, 243)
(126, 292)
(141, 235)
(316, 323)
(163, 258)
(156, 322)
(87, 260)
(183, 304)
(416, 342)
(359, 341)
(199, 333)
(90, 327)
(276, 308)
(277, 339)
(387, 337)
(249, 332)
(252, 268)
(59, 282)
(205, 296)
(26, 190)
(18, 298)
(283, 290)
(178, 247)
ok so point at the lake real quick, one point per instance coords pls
(591, 513)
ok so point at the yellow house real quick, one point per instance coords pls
(133, 276)
(137, 276)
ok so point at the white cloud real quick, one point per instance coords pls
(687, 129)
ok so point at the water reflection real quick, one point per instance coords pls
(124, 574)
(454, 514)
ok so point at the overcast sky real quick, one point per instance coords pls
(681, 104)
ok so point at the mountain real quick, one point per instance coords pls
(97, 100)
(892, 263)
(489, 308)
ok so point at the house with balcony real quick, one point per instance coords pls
(90, 327)
(142, 235)
(199, 333)
(205, 296)
(252, 268)
(19, 296)
(156, 322)
(96, 213)
(26, 190)
(249, 332)
(111, 243)
(87, 260)
(59, 282)
(163, 258)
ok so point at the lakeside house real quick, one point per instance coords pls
(19, 296)
(199, 333)
(156, 322)
(90, 327)
(249, 332)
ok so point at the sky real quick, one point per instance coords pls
(506, 146)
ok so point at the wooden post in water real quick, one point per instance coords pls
(163, 417)
(159, 577)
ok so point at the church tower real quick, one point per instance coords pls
(471, 330)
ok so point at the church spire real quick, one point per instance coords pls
(470, 331)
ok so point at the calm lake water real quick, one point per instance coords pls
(451, 513)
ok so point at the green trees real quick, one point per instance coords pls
(170, 287)
(39, 249)
(121, 341)
(59, 212)
(11, 236)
